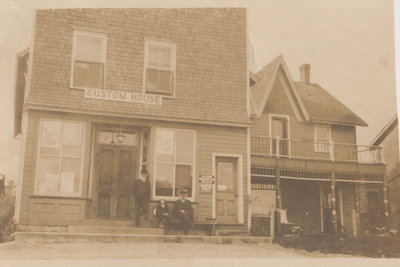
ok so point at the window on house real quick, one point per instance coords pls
(60, 158)
(174, 170)
(89, 57)
(160, 68)
(322, 138)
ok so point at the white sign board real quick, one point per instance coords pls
(123, 96)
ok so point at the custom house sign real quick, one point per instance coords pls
(123, 96)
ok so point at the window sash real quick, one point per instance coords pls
(178, 166)
(63, 177)
(88, 62)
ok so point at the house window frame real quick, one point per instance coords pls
(161, 44)
(282, 117)
(59, 157)
(90, 34)
(193, 164)
(317, 146)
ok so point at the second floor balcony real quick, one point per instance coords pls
(307, 149)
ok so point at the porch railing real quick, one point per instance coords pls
(307, 149)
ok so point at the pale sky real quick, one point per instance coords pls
(349, 44)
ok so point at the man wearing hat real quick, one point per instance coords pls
(141, 193)
(183, 210)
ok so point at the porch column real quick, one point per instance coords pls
(277, 217)
(278, 189)
(386, 204)
(333, 201)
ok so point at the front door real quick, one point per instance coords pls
(116, 169)
(226, 190)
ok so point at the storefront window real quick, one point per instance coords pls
(59, 163)
(174, 162)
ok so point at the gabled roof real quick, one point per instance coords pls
(385, 131)
(325, 108)
(312, 102)
(261, 90)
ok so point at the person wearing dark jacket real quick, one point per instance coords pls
(141, 193)
(162, 213)
(183, 211)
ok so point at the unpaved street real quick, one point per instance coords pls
(49, 250)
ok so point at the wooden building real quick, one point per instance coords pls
(109, 92)
(388, 138)
(304, 156)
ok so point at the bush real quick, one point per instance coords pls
(7, 224)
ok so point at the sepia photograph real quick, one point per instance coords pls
(218, 133)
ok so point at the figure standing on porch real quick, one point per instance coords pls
(141, 193)
(183, 210)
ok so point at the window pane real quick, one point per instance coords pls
(165, 57)
(164, 179)
(184, 146)
(83, 48)
(225, 176)
(89, 75)
(322, 132)
(154, 56)
(72, 139)
(183, 179)
(47, 180)
(165, 145)
(158, 81)
(70, 175)
(95, 50)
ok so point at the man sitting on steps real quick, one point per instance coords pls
(184, 212)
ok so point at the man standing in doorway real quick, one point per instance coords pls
(141, 193)
(183, 210)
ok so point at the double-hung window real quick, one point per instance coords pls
(60, 158)
(174, 163)
(89, 58)
(322, 138)
(159, 68)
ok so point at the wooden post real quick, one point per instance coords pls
(333, 199)
(277, 216)
(386, 204)
(277, 146)
(357, 222)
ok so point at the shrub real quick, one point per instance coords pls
(7, 224)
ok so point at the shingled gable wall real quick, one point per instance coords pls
(211, 64)
(278, 103)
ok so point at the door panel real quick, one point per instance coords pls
(279, 129)
(117, 167)
(226, 190)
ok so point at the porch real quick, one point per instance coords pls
(308, 149)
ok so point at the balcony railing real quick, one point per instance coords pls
(306, 149)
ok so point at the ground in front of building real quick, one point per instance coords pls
(18, 250)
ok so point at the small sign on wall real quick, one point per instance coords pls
(206, 184)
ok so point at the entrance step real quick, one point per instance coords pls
(114, 230)
(107, 223)
(88, 237)
(232, 233)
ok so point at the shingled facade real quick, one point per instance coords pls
(115, 91)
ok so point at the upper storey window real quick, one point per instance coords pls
(160, 67)
(322, 138)
(89, 58)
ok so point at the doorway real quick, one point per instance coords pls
(226, 190)
(116, 165)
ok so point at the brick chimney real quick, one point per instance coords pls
(305, 73)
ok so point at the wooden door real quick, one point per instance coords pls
(116, 170)
(226, 190)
